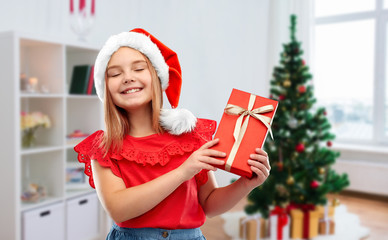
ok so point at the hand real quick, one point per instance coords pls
(259, 163)
(201, 159)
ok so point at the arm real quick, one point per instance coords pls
(216, 200)
(123, 203)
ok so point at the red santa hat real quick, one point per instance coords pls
(166, 63)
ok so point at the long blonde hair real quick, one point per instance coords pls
(116, 118)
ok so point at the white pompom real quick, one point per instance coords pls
(177, 121)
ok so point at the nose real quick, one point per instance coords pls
(128, 78)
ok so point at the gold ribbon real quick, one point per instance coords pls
(239, 129)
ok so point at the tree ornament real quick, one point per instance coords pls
(301, 197)
(300, 148)
(290, 180)
(282, 190)
(282, 97)
(336, 202)
(303, 62)
(314, 184)
(271, 96)
(329, 143)
(292, 123)
(280, 166)
(302, 89)
(287, 83)
(321, 170)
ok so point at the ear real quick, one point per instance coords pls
(177, 121)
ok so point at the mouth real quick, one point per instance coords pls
(131, 90)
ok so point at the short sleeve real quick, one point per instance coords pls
(89, 149)
(205, 129)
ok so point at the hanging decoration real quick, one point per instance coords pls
(82, 19)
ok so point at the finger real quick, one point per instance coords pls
(259, 174)
(210, 144)
(261, 152)
(208, 167)
(260, 166)
(210, 160)
(213, 153)
(262, 159)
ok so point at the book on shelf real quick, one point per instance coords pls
(82, 80)
(91, 81)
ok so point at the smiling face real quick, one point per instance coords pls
(129, 79)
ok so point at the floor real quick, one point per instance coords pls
(372, 210)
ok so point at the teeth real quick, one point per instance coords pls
(133, 90)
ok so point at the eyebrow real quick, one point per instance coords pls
(134, 62)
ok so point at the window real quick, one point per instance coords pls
(350, 71)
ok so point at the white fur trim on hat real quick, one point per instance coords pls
(134, 40)
(177, 121)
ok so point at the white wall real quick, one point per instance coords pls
(221, 44)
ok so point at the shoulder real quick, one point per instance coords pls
(93, 140)
(205, 128)
(181, 121)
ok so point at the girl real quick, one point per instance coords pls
(152, 167)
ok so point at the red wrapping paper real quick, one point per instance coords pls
(254, 136)
(282, 221)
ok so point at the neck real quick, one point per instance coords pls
(141, 122)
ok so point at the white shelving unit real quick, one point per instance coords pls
(51, 61)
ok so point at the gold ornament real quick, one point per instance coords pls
(301, 197)
(287, 83)
(290, 180)
(336, 202)
(321, 170)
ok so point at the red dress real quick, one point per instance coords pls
(145, 158)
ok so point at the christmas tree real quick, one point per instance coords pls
(300, 153)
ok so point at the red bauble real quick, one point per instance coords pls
(270, 96)
(282, 97)
(329, 143)
(280, 166)
(302, 89)
(303, 62)
(299, 148)
(314, 184)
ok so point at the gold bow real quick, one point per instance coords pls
(239, 129)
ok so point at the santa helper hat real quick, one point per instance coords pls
(166, 63)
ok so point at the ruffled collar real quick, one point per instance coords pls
(153, 149)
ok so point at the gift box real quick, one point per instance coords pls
(244, 126)
(326, 220)
(279, 224)
(326, 211)
(304, 221)
(326, 227)
(296, 224)
(253, 227)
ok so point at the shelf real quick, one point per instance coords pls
(40, 149)
(82, 96)
(41, 95)
(46, 201)
(77, 193)
(36, 73)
